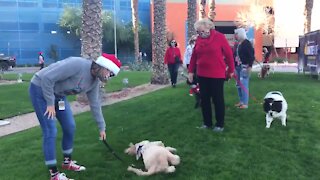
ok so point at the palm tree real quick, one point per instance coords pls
(192, 17)
(91, 32)
(212, 7)
(202, 9)
(159, 75)
(135, 28)
(308, 13)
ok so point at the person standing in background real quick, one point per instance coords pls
(41, 60)
(173, 59)
(245, 56)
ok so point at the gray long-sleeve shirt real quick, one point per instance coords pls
(67, 77)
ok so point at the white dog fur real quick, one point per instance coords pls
(275, 106)
(156, 157)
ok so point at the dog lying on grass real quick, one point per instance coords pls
(156, 157)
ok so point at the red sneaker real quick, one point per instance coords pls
(73, 166)
(60, 176)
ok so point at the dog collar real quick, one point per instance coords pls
(139, 151)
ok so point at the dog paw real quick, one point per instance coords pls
(129, 168)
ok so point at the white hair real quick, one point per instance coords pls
(241, 32)
(205, 22)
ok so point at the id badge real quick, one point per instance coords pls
(61, 105)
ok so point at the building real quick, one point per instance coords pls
(30, 26)
(226, 11)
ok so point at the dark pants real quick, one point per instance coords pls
(41, 66)
(173, 70)
(212, 89)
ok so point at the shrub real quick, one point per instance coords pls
(140, 65)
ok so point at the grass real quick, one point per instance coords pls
(15, 97)
(245, 150)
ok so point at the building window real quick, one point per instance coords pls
(29, 27)
(107, 4)
(50, 28)
(144, 6)
(8, 3)
(9, 26)
(125, 5)
(50, 3)
(27, 3)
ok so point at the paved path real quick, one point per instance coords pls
(26, 121)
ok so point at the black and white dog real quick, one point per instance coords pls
(275, 106)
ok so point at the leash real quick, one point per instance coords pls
(118, 157)
(112, 151)
(244, 88)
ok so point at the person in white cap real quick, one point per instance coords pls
(48, 90)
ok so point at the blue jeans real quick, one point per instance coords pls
(243, 77)
(48, 126)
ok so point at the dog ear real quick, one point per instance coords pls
(131, 144)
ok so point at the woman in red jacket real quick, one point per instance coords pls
(173, 59)
(209, 58)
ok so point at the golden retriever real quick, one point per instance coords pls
(156, 157)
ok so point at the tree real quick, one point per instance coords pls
(212, 7)
(308, 13)
(192, 17)
(91, 34)
(159, 75)
(135, 28)
(202, 9)
(91, 31)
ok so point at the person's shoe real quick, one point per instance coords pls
(73, 166)
(238, 104)
(203, 127)
(243, 106)
(218, 129)
(59, 176)
(173, 85)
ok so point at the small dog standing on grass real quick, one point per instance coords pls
(156, 157)
(194, 90)
(275, 106)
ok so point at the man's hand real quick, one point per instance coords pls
(190, 77)
(103, 135)
(51, 112)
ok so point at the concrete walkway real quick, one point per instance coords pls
(26, 121)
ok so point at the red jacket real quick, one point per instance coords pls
(170, 55)
(210, 56)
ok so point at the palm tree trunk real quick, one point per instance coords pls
(202, 9)
(212, 7)
(308, 13)
(192, 17)
(91, 35)
(135, 28)
(91, 32)
(159, 75)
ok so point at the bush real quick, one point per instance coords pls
(140, 65)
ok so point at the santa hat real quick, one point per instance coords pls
(40, 53)
(110, 62)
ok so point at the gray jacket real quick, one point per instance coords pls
(67, 77)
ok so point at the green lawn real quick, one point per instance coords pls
(15, 97)
(245, 150)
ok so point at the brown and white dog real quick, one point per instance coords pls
(156, 157)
